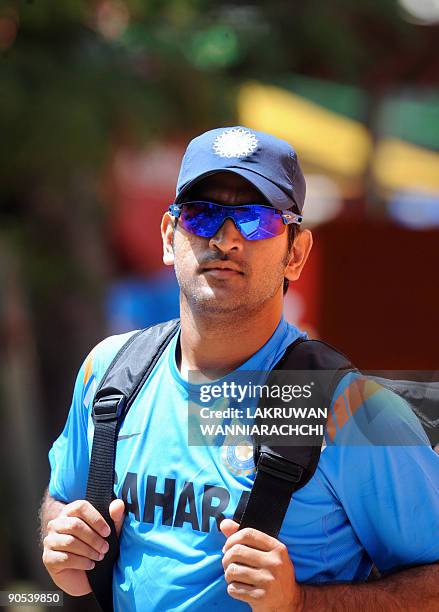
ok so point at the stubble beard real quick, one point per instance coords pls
(202, 298)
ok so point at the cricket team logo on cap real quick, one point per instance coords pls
(235, 142)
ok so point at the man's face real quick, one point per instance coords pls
(226, 273)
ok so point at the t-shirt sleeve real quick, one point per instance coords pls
(387, 477)
(69, 455)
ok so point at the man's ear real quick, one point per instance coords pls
(298, 255)
(168, 228)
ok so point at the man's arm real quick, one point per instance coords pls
(410, 590)
(73, 538)
(259, 571)
(50, 509)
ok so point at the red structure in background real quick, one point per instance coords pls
(371, 290)
(140, 186)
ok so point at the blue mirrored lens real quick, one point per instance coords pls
(202, 218)
(254, 221)
(258, 222)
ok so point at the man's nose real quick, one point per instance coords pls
(227, 238)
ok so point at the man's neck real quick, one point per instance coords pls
(218, 343)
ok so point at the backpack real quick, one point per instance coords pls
(280, 470)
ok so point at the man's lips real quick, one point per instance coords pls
(221, 269)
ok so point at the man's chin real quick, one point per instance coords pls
(217, 300)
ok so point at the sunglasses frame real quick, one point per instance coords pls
(287, 216)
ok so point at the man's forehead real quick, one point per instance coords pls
(226, 182)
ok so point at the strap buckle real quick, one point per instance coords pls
(279, 467)
(108, 408)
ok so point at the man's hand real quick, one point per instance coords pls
(75, 541)
(259, 571)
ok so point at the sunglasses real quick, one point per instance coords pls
(254, 221)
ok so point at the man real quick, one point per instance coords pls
(364, 505)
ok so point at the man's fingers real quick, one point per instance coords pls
(83, 509)
(68, 543)
(244, 574)
(117, 513)
(57, 561)
(72, 525)
(244, 555)
(252, 538)
(245, 592)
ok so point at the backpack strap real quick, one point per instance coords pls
(423, 398)
(117, 391)
(282, 470)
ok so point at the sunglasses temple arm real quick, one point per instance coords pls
(289, 217)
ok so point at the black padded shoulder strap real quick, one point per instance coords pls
(135, 360)
(423, 398)
(313, 355)
(282, 470)
(117, 391)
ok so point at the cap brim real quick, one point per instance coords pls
(274, 194)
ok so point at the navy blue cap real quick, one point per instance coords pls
(267, 162)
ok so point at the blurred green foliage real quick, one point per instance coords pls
(81, 73)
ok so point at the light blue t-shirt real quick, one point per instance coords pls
(365, 504)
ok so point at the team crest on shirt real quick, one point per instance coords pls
(235, 142)
(238, 459)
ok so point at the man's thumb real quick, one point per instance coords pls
(228, 527)
(117, 513)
